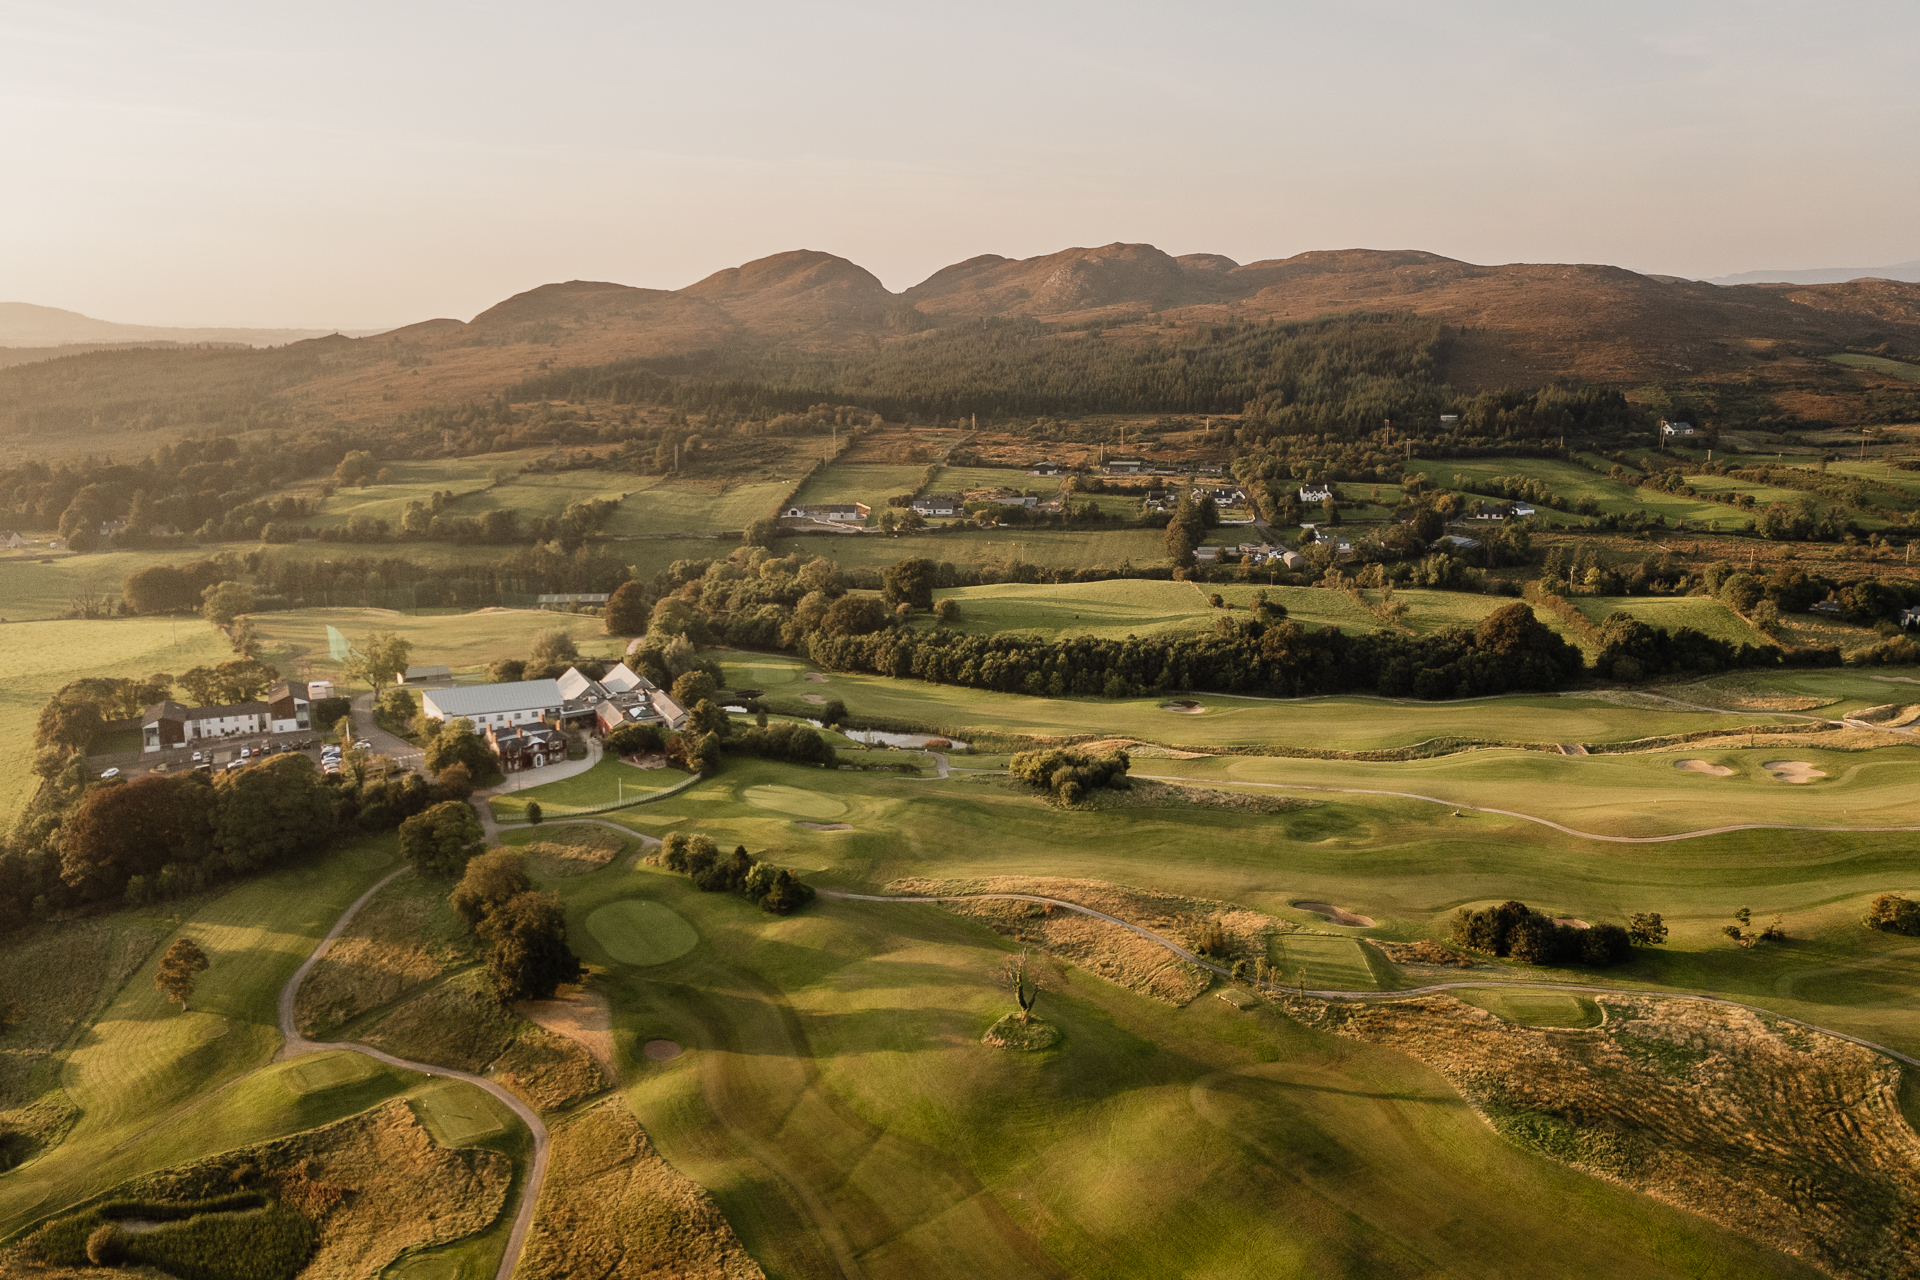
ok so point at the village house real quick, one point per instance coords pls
(289, 707)
(831, 513)
(518, 702)
(525, 748)
(1315, 493)
(937, 504)
(168, 724)
(1676, 428)
(11, 540)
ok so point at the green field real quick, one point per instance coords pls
(670, 507)
(1571, 481)
(467, 642)
(1326, 964)
(608, 782)
(640, 931)
(857, 482)
(1048, 548)
(1703, 613)
(961, 479)
(1880, 364)
(36, 658)
(459, 1115)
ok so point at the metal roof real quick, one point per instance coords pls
(495, 699)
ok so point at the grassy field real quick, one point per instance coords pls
(36, 658)
(855, 482)
(1571, 481)
(1535, 1008)
(1049, 548)
(1329, 964)
(962, 479)
(1880, 364)
(296, 640)
(1703, 613)
(694, 507)
(837, 1103)
(1345, 723)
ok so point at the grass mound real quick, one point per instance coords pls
(1533, 1007)
(1024, 1037)
(458, 1024)
(613, 1207)
(639, 931)
(338, 1201)
(405, 937)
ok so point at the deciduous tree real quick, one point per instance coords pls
(490, 879)
(442, 840)
(527, 953)
(180, 968)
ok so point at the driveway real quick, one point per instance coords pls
(404, 753)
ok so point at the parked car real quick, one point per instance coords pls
(236, 764)
(197, 757)
(363, 745)
(111, 773)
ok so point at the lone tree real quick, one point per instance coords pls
(1020, 981)
(527, 953)
(179, 969)
(1645, 929)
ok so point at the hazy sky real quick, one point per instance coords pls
(363, 164)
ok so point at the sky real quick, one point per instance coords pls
(372, 164)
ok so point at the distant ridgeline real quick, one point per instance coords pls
(1337, 375)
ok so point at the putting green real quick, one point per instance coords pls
(457, 1115)
(636, 931)
(325, 1071)
(794, 800)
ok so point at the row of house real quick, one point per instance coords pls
(288, 709)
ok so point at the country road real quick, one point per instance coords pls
(297, 1044)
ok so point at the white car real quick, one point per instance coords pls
(196, 757)
(111, 773)
(363, 745)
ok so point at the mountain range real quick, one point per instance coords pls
(23, 324)
(1908, 271)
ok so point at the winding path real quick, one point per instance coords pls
(297, 1044)
(1514, 813)
(1431, 989)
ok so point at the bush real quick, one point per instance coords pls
(534, 813)
(1513, 929)
(1064, 769)
(779, 892)
(1892, 913)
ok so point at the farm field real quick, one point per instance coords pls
(1880, 364)
(1572, 482)
(1702, 613)
(671, 507)
(1047, 548)
(297, 638)
(962, 479)
(37, 658)
(857, 482)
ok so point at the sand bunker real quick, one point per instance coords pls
(1792, 770)
(814, 677)
(826, 826)
(1337, 915)
(1701, 766)
(814, 698)
(1183, 706)
(661, 1050)
(1571, 923)
(583, 1016)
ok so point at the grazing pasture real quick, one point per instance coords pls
(37, 658)
(857, 482)
(1702, 613)
(1047, 548)
(467, 642)
(1572, 481)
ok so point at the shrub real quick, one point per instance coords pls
(1892, 913)
(1058, 769)
(534, 813)
(779, 892)
(1514, 929)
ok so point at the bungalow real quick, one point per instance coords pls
(937, 504)
(832, 513)
(1676, 429)
(11, 540)
(289, 707)
(517, 702)
(425, 675)
(1047, 469)
(1521, 509)
(1315, 493)
(168, 724)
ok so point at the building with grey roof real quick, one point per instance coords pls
(519, 702)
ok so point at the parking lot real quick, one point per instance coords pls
(215, 754)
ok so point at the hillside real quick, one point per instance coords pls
(23, 324)
(1746, 355)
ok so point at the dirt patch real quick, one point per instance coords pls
(458, 1024)
(612, 1208)
(1336, 915)
(1425, 951)
(1777, 1132)
(661, 1050)
(814, 677)
(575, 850)
(583, 1017)
(1701, 766)
(814, 698)
(374, 1185)
(1795, 771)
(1025, 1037)
(825, 826)
(1183, 707)
(1570, 922)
